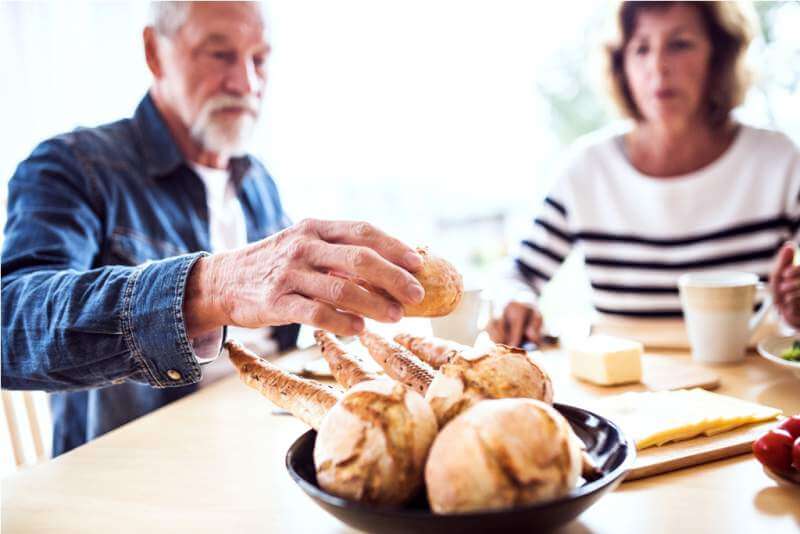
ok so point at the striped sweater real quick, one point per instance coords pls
(638, 233)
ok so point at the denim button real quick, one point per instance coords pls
(173, 374)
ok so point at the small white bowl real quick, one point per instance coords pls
(771, 348)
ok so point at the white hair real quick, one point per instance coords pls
(168, 17)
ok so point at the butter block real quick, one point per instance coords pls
(606, 360)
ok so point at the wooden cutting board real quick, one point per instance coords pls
(660, 374)
(700, 450)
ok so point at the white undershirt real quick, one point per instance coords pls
(226, 224)
(228, 230)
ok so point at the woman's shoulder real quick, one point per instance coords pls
(773, 142)
(600, 142)
(594, 153)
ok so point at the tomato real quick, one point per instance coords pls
(792, 425)
(796, 454)
(774, 449)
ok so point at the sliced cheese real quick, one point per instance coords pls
(656, 418)
(607, 360)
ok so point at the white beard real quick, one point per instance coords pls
(224, 135)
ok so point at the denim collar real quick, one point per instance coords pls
(161, 153)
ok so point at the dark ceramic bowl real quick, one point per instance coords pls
(605, 443)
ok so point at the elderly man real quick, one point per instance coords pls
(108, 294)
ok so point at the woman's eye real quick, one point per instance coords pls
(680, 45)
(640, 50)
(225, 56)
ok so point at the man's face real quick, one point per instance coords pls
(214, 73)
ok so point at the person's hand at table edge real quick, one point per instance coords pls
(785, 283)
(521, 322)
(286, 278)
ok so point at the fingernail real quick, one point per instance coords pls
(416, 293)
(413, 260)
(395, 312)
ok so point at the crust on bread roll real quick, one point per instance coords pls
(307, 400)
(443, 287)
(500, 454)
(373, 444)
(496, 372)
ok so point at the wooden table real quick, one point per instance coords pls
(213, 462)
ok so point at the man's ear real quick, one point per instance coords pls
(151, 51)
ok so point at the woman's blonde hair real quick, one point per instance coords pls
(730, 29)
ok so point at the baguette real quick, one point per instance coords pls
(307, 400)
(347, 370)
(432, 350)
(398, 362)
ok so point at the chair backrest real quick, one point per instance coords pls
(23, 411)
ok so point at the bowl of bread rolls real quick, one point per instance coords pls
(448, 438)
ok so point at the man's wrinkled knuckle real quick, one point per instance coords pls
(364, 230)
(297, 249)
(308, 225)
(357, 258)
(337, 290)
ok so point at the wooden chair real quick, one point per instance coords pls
(18, 432)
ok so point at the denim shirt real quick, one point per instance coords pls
(104, 225)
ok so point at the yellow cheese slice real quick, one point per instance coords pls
(656, 418)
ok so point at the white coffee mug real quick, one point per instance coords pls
(718, 313)
(462, 325)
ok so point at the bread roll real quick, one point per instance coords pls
(373, 444)
(496, 372)
(443, 287)
(469, 376)
(500, 454)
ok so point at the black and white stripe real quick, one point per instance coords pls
(636, 275)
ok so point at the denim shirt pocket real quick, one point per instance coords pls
(133, 248)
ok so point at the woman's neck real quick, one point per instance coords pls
(665, 152)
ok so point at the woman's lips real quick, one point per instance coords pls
(665, 93)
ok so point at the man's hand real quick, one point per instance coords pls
(520, 322)
(785, 283)
(304, 275)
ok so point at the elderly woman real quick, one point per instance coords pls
(685, 188)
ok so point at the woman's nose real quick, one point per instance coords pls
(661, 64)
